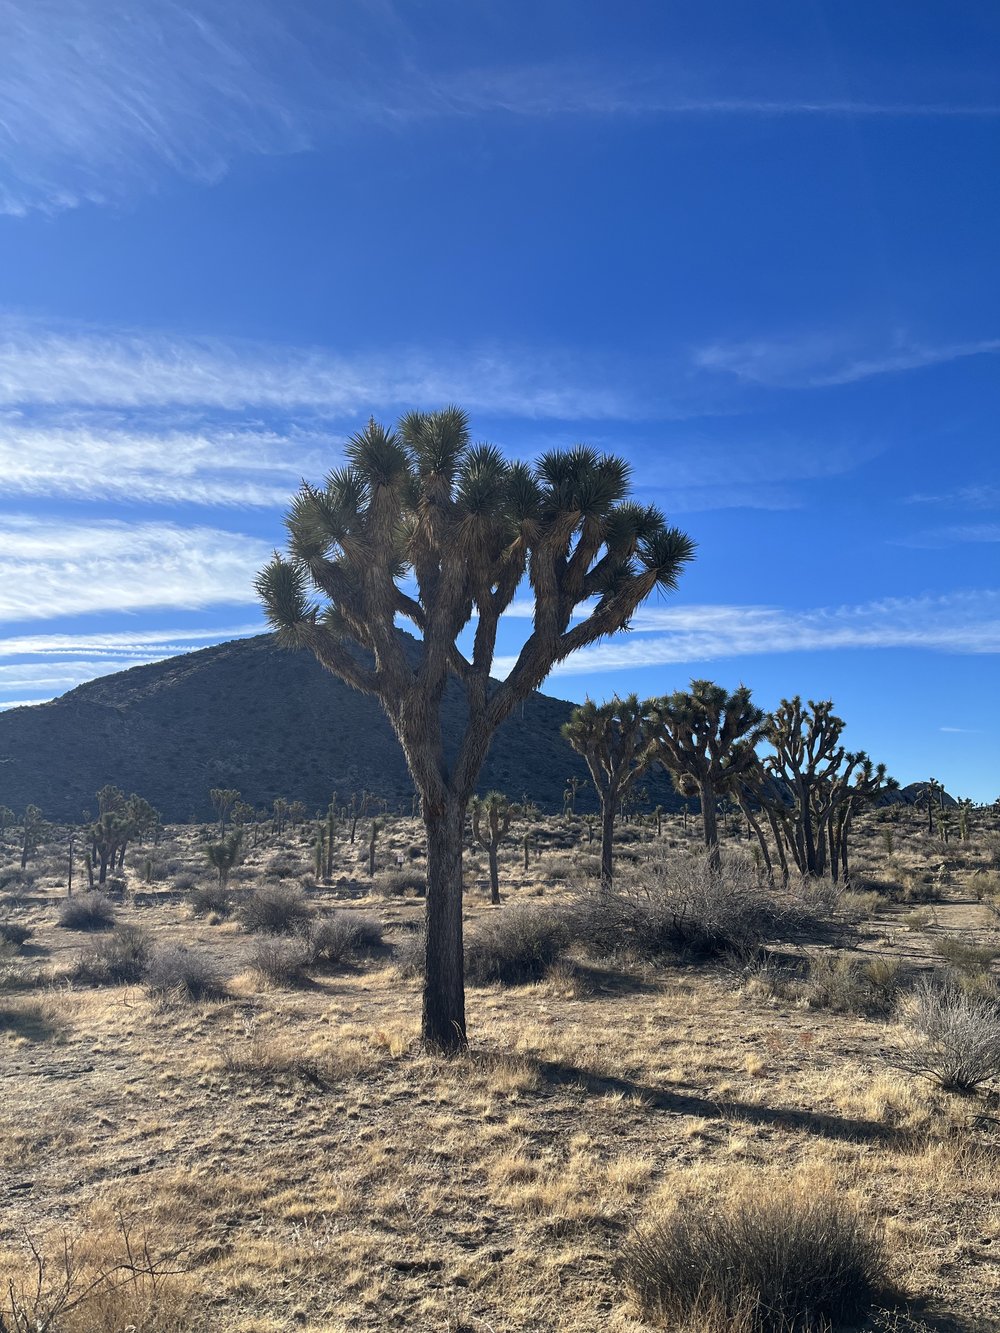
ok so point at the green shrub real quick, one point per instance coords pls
(780, 1261)
(411, 883)
(854, 985)
(691, 911)
(963, 957)
(87, 911)
(15, 933)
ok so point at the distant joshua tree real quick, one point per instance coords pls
(424, 525)
(223, 856)
(491, 816)
(810, 787)
(707, 738)
(224, 801)
(616, 740)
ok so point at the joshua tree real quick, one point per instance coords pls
(120, 820)
(573, 786)
(810, 787)
(424, 526)
(224, 801)
(7, 820)
(964, 818)
(491, 816)
(708, 739)
(222, 856)
(280, 808)
(616, 741)
(33, 832)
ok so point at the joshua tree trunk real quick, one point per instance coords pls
(494, 875)
(444, 976)
(607, 842)
(711, 823)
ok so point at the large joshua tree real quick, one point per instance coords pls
(423, 526)
(616, 741)
(707, 738)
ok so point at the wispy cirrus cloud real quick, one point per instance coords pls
(957, 623)
(98, 103)
(50, 568)
(145, 645)
(85, 459)
(40, 666)
(957, 534)
(577, 88)
(978, 495)
(136, 371)
(820, 362)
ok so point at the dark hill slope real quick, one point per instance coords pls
(250, 715)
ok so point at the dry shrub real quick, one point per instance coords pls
(405, 883)
(209, 900)
(87, 911)
(278, 909)
(281, 962)
(119, 960)
(854, 985)
(785, 1260)
(344, 936)
(15, 933)
(180, 973)
(952, 1038)
(516, 946)
(103, 1282)
(690, 910)
(965, 958)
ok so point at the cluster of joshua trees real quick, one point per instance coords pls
(799, 797)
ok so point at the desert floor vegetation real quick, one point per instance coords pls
(216, 1113)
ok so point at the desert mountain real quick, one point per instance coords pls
(250, 715)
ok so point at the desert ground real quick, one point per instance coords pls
(279, 1153)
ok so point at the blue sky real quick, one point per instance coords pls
(751, 247)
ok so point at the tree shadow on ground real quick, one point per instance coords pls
(679, 1102)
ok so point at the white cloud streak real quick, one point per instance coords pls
(101, 100)
(958, 623)
(211, 466)
(824, 362)
(146, 645)
(50, 569)
(125, 371)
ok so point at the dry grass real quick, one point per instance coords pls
(305, 1164)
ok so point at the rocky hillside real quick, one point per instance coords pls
(250, 715)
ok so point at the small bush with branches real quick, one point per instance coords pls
(121, 959)
(952, 1037)
(87, 911)
(342, 937)
(178, 973)
(278, 909)
(516, 946)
